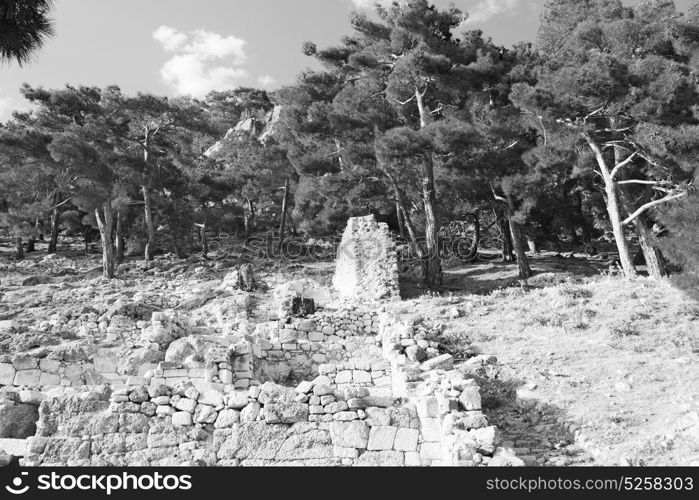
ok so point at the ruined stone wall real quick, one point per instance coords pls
(367, 265)
(298, 348)
(292, 349)
(312, 424)
(405, 406)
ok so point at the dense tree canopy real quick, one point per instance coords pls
(588, 135)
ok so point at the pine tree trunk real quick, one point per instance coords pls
(251, 210)
(19, 249)
(506, 250)
(104, 222)
(249, 218)
(525, 271)
(119, 236)
(31, 245)
(433, 260)
(38, 230)
(150, 225)
(401, 223)
(655, 262)
(55, 215)
(473, 250)
(610, 189)
(405, 214)
(204, 241)
(282, 216)
(618, 229)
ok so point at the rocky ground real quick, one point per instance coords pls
(591, 369)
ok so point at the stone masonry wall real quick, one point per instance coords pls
(367, 265)
(406, 406)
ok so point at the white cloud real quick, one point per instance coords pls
(5, 105)
(190, 72)
(170, 38)
(266, 81)
(486, 9)
(369, 4)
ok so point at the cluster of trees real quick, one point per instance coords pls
(589, 132)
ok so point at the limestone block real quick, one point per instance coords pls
(470, 398)
(386, 458)
(226, 376)
(412, 459)
(250, 412)
(226, 419)
(361, 377)
(427, 407)
(487, 439)
(205, 414)
(24, 362)
(29, 378)
(304, 387)
(343, 377)
(164, 410)
(49, 380)
(336, 407)
(316, 336)
(350, 434)
(340, 452)
(430, 451)
(431, 429)
(406, 440)
(237, 400)
(382, 438)
(345, 416)
(286, 413)
(443, 362)
(182, 419)
(7, 374)
(52, 365)
(105, 364)
(211, 397)
(186, 405)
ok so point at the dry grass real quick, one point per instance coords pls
(620, 356)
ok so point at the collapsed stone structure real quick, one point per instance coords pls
(367, 262)
(350, 385)
(374, 405)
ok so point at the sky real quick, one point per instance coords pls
(185, 47)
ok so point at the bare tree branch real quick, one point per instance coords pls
(621, 165)
(652, 204)
(639, 181)
(403, 103)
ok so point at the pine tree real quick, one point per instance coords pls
(616, 72)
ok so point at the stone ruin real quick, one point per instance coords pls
(367, 262)
(347, 385)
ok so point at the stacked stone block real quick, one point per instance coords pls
(367, 263)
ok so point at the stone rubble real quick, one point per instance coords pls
(146, 383)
